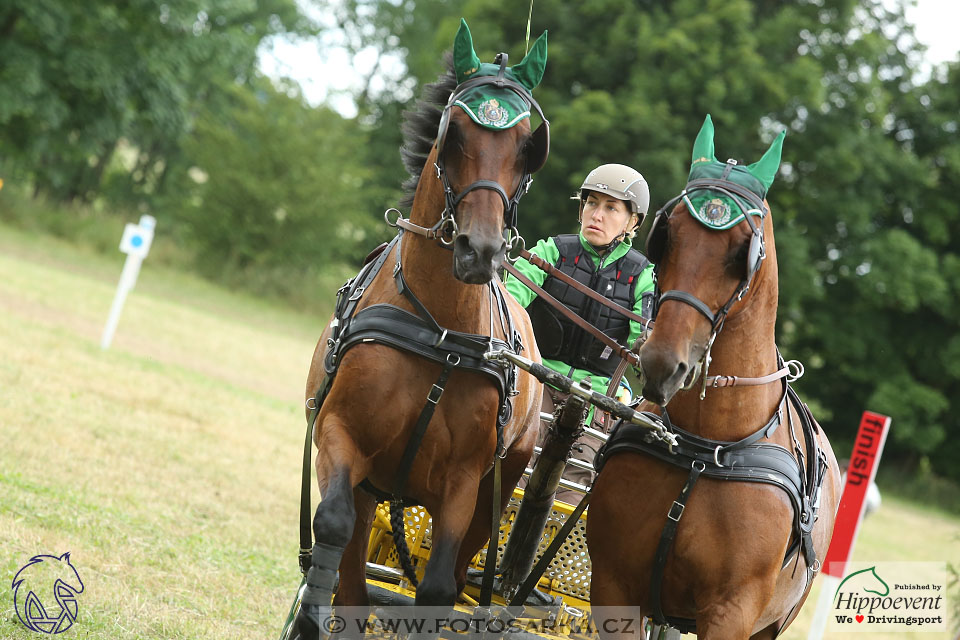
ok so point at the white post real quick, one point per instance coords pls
(828, 586)
(135, 243)
(131, 268)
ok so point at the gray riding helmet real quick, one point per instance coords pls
(621, 182)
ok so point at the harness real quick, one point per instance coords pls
(421, 335)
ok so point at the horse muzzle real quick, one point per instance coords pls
(476, 260)
(665, 372)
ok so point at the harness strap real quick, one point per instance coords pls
(633, 358)
(306, 534)
(404, 288)
(666, 539)
(490, 563)
(348, 297)
(738, 381)
(413, 445)
(690, 299)
(553, 272)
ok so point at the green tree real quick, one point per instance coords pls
(76, 78)
(864, 205)
(271, 186)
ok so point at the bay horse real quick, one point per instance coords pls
(733, 555)
(413, 326)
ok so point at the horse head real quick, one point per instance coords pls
(485, 154)
(710, 263)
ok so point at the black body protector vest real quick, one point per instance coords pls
(560, 339)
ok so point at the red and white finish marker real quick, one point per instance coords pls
(864, 461)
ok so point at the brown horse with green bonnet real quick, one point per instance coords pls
(723, 533)
(409, 409)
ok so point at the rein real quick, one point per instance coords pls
(793, 369)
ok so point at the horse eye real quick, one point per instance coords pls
(737, 261)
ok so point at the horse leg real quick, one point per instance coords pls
(619, 617)
(729, 615)
(511, 470)
(352, 589)
(338, 470)
(439, 586)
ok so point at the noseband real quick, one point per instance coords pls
(446, 229)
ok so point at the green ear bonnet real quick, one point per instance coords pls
(488, 105)
(718, 210)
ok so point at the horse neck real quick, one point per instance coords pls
(428, 266)
(745, 347)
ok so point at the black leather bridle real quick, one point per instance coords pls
(446, 228)
(750, 204)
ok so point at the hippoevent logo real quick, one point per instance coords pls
(45, 593)
(891, 597)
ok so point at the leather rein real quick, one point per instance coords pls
(629, 357)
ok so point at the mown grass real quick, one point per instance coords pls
(169, 465)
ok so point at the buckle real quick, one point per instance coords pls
(434, 395)
(356, 294)
(678, 509)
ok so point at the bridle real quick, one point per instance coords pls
(750, 204)
(446, 228)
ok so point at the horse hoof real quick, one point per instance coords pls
(305, 625)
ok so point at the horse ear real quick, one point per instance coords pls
(65, 556)
(703, 146)
(530, 70)
(765, 169)
(465, 60)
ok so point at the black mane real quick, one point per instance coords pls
(420, 127)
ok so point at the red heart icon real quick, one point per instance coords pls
(859, 618)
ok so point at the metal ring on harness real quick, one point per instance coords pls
(515, 241)
(386, 217)
(441, 233)
(796, 370)
(716, 454)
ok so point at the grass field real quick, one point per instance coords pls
(169, 465)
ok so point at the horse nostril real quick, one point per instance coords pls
(463, 248)
(681, 372)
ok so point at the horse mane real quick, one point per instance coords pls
(420, 126)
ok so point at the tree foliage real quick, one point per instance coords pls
(156, 103)
(76, 78)
(865, 202)
(269, 183)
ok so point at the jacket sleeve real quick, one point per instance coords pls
(642, 303)
(546, 249)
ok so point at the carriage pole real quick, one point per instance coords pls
(864, 461)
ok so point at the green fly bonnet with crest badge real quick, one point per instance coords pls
(489, 105)
(719, 210)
